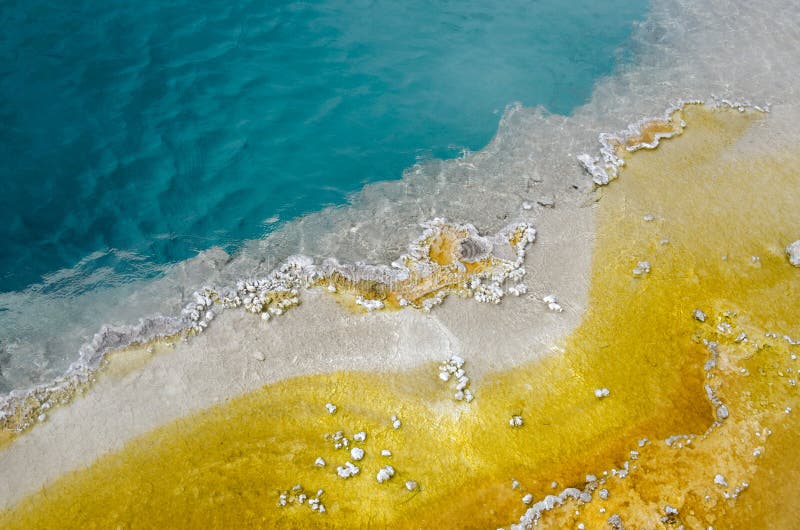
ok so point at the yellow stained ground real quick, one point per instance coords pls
(5, 438)
(225, 467)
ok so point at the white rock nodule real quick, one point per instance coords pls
(600, 393)
(396, 423)
(384, 474)
(348, 470)
(793, 253)
(527, 499)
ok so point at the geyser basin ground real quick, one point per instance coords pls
(698, 426)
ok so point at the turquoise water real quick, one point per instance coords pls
(135, 134)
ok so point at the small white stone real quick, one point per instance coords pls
(648, 217)
(384, 474)
(386, 452)
(552, 303)
(724, 328)
(331, 408)
(411, 485)
(643, 267)
(348, 470)
(527, 499)
(319, 462)
(369, 305)
(396, 423)
(603, 493)
(357, 453)
(699, 315)
(42, 417)
(720, 480)
(360, 436)
(515, 421)
(669, 510)
(526, 205)
(600, 393)
(514, 484)
(258, 356)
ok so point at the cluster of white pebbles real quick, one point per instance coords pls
(353, 445)
(453, 371)
(273, 295)
(298, 495)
